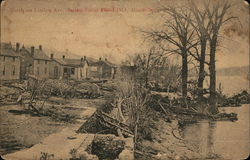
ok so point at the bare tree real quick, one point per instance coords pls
(217, 17)
(176, 37)
(202, 25)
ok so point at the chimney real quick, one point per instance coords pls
(100, 59)
(81, 59)
(32, 50)
(85, 58)
(17, 47)
(106, 59)
(40, 47)
(63, 56)
(51, 56)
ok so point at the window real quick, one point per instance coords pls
(37, 70)
(13, 59)
(46, 62)
(38, 62)
(72, 70)
(3, 70)
(3, 58)
(45, 70)
(65, 70)
(14, 70)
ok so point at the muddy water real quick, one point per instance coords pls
(22, 131)
(230, 84)
(227, 139)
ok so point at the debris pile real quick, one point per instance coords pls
(236, 100)
(186, 111)
(107, 146)
(71, 90)
(108, 86)
(9, 95)
(41, 108)
(101, 122)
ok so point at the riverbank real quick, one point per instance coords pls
(166, 142)
(156, 135)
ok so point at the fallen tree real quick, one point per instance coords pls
(235, 100)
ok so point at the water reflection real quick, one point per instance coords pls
(226, 139)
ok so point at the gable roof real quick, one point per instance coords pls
(7, 50)
(39, 54)
(94, 62)
(109, 63)
(70, 62)
(105, 62)
(59, 60)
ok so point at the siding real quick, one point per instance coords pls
(95, 71)
(80, 72)
(41, 69)
(26, 67)
(55, 70)
(9, 68)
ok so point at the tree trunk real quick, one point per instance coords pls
(184, 74)
(147, 70)
(212, 88)
(119, 106)
(202, 69)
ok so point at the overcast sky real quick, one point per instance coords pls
(93, 32)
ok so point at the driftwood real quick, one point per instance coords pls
(163, 108)
(112, 123)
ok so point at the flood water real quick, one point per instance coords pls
(225, 138)
(228, 139)
(22, 131)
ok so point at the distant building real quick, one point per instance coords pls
(40, 63)
(10, 62)
(26, 61)
(21, 63)
(55, 68)
(125, 70)
(102, 69)
(69, 68)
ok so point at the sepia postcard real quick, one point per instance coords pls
(124, 80)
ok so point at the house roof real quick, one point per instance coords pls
(59, 60)
(7, 50)
(94, 62)
(72, 61)
(24, 52)
(105, 62)
(69, 62)
(39, 54)
(109, 63)
(76, 62)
